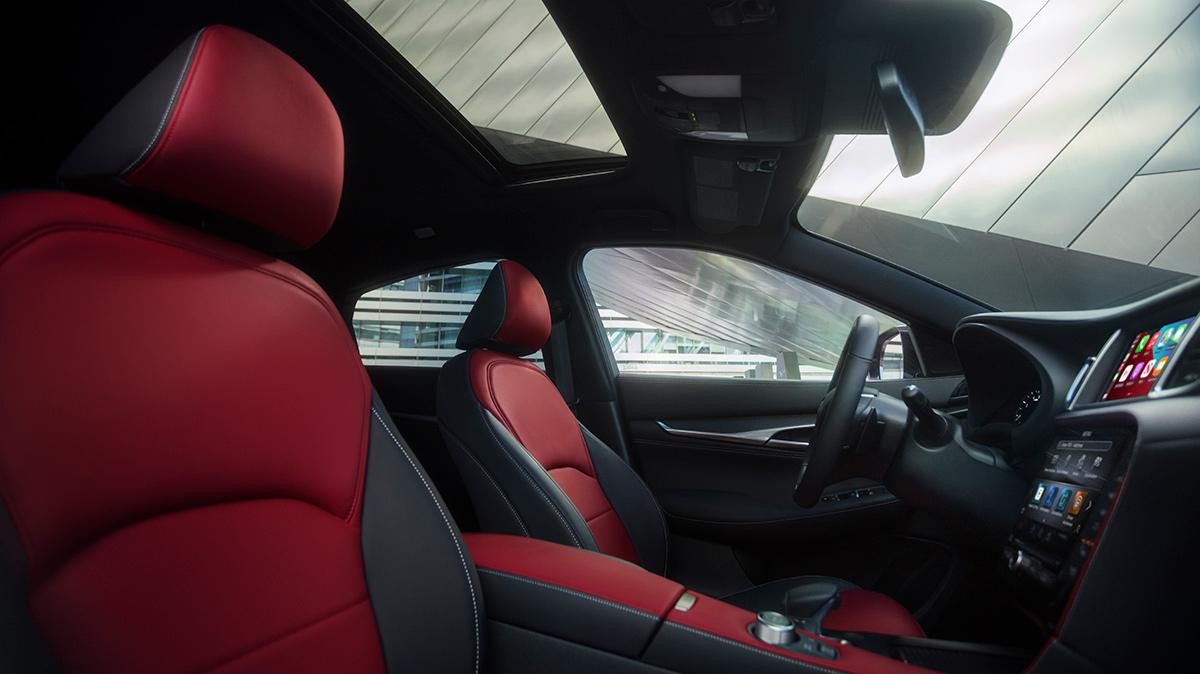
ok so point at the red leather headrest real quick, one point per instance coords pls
(511, 314)
(232, 124)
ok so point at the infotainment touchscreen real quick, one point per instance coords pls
(1145, 361)
(1074, 471)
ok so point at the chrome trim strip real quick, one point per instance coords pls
(787, 444)
(1079, 377)
(1087, 378)
(761, 437)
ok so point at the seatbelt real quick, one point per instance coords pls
(560, 354)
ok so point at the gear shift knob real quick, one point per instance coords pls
(809, 604)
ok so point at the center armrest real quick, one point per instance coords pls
(584, 597)
(609, 604)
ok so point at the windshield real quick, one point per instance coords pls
(1073, 184)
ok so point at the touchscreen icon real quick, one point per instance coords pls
(1137, 367)
(1141, 343)
(1063, 499)
(1178, 333)
(1050, 496)
(1158, 368)
(1146, 369)
(1125, 373)
(1077, 503)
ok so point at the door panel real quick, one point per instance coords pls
(722, 455)
(729, 499)
(725, 482)
(719, 363)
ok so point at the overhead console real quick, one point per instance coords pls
(861, 66)
(946, 51)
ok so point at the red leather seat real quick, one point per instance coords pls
(194, 472)
(532, 469)
(194, 469)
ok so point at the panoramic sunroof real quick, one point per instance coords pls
(507, 68)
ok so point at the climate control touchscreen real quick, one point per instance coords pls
(1065, 489)
(1062, 514)
(1145, 361)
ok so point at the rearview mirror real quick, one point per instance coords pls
(902, 118)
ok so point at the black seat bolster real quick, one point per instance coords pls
(510, 491)
(634, 502)
(415, 559)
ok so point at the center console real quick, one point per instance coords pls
(1062, 516)
(1068, 501)
(551, 607)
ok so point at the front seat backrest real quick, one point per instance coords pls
(529, 466)
(191, 460)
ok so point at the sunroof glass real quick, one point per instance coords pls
(507, 68)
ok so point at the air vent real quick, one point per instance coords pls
(1079, 379)
(959, 396)
(1185, 370)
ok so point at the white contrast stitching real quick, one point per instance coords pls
(541, 492)
(575, 593)
(662, 520)
(446, 520)
(170, 105)
(495, 486)
(758, 651)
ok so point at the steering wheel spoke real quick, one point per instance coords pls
(838, 411)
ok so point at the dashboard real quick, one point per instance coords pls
(1099, 413)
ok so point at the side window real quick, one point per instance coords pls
(687, 312)
(414, 322)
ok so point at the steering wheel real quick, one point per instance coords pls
(837, 412)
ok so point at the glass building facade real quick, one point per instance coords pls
(665, 311)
